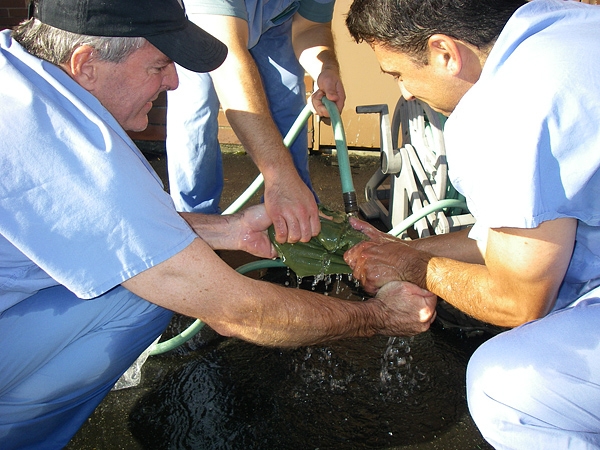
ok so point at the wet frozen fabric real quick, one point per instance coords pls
(324, 253)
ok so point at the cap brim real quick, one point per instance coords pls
(191, 47)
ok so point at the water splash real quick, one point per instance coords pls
(398, 370)
(321, 370)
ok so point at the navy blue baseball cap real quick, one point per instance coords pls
(162, 22)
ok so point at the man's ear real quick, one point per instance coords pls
(445, 54)
(82, 67)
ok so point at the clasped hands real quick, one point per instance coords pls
(388, 267)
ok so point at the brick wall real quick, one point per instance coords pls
(12, 12)
(157, 120)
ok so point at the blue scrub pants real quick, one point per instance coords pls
(193, 153)
(538, 386)
(61, 355)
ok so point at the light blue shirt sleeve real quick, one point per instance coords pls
(317, 10)
(262, 14)
(235, 8)
(79, 204)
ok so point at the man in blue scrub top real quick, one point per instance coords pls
(260, 87)
(93, 255)
(519, 82)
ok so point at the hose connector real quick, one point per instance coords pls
(350, 203)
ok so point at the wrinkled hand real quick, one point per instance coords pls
(292, 208)
(408, 309)
(384, 258)
(252, 234)
(330, 86)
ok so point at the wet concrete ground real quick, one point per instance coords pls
(149, 416)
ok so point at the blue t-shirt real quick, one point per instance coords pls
(262, 15)
(79, 204)
(523, 144)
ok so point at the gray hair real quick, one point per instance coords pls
(56, 46)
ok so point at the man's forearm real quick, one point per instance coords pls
(264, 143)
(314, 46)
(468, 287)
(484, 294)
(210, 228)
(291, 318)
(245, 104)
(456, 245)
(197, 283)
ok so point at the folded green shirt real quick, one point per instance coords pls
(323, 254)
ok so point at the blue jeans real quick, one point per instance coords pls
(60, 357)
(538, 386)
(193, 153)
